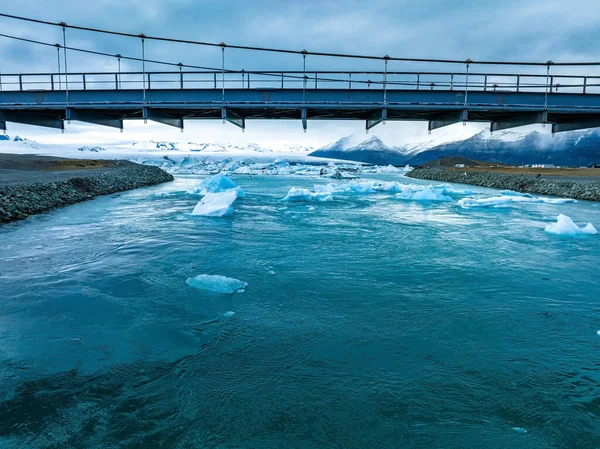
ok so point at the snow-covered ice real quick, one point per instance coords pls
(216, 204)
(509, 200)
(304, 195)
(228, 314)
(426, 193)
(215, 184)
(216, 283)
(565, 226)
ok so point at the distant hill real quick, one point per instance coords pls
(372, 151)
(578, 148)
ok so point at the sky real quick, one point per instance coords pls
(522, 30)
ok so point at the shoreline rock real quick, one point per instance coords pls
(588, 191)
(19, 200)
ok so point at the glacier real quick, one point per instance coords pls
(565, 226)
(216, 283)
(217, 204)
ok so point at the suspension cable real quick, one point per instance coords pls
(297, 52)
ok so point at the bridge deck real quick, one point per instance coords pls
(171, 106)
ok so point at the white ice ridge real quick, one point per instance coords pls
(565, 226)
(215, 184)
(304, 195)
(216, 204)
(216, 283)
(510, 199)
(417, 192)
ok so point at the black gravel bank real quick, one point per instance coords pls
(581, 190)
(33, 184)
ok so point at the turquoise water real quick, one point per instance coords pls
(368, 322)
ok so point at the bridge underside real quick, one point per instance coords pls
(172, 107)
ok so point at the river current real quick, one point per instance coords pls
(368, 321)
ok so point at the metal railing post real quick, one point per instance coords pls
(349, 80)
(418, 80)
(222, 44)
(385, 67)
(149, 85)
(584, 84)
(315, 80)
(304, 76)
(215, 80)
(248, 78)
(452, 81)
(58, 61)
(180, 75)
(52, 81)
(84, 86)
(282, 80)
(243, 79)
(63, 24)
(143, 38)
(485, 82)
(118, 79)
(468, 63)
(20, 82)
(548, 64)
(518, 82)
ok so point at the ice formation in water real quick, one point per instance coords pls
(565, 226)
(519, 430)
(508, 200)
(216, 204)
(215, 184)
(424, 193)
(216, 283)
(228, 314)
(303, 195)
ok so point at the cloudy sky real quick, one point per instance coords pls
(525, 30)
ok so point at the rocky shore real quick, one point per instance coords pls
(580, 190)
(31, 191)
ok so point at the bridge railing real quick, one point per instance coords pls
(413, 80)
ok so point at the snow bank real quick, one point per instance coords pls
(214, 184)
(216, 283)
(565, 226)
(216, 204)
(304, 195)
(508, 200)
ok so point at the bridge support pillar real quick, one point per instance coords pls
(582, 123)
(304, 119)
(449, 119)
(94, 118)
(378, 117)
(162, 117)
(520, 120)
(31, 118)
(233, 118)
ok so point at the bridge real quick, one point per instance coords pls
(537, 92)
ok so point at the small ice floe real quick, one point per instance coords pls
(426, 193)
(513, 193)
(509, 200)
(519, 430)
(215, 184)
(161, 194)
(216, 204)
(216, 283)
(271, 272)
(304, 195)
(228, 314)
(598, 332)
(565, 226)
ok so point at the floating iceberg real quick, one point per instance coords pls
(215, 184)
(216, 204)
(565, 226)
(426, 193)
(305, 195)
(513, 193)
(508, 200)
(216, 283)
